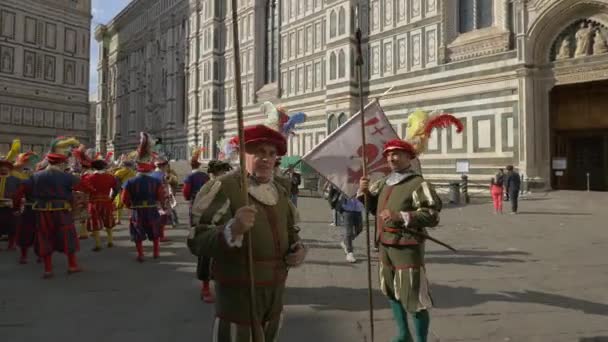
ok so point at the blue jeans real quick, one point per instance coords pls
(294, 199)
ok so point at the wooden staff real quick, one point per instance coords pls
(364, 167)
(244, 186)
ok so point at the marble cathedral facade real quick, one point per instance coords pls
(44, 72)
(510, 69)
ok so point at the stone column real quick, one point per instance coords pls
(534, 145)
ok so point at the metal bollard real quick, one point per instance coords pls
(465, 188)
(588, 183)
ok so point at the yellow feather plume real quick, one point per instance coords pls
(14, 151)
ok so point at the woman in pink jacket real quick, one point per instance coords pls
(496, 191)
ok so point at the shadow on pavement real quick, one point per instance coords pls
(476, 257)
(324, 298)
(594, 339)
(449, 297)
(558, 213)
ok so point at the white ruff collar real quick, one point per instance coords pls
(267, 193)
(397, 177)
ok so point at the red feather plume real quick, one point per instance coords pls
(109, 156)
(443, 121)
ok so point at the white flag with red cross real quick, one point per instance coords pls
(338, 157)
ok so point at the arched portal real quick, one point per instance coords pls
(564, 95)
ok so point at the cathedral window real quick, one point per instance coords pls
(332, 66)
(332, 24)
(272, 42)
(342, 21)
(341, 64)
(475, 14)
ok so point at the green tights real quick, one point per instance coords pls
(422, 321)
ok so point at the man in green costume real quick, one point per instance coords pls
(223, 219)
(403, 200)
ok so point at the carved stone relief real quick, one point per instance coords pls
(584, 37)
(416, 8)
(17, 115)
(388, 7)
(431, 6)
(599, 42)
(416, 50)
(402, 10)
(67, 120)
(80, 121)
(375, 9)
(58, 119)
(38, 117)
(431, 43)
(5, 113)
(49, 118)
(7, 56)
(388, 57)
(375, 60)
(402, 53)
(28, 114)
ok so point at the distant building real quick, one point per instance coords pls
(44, 71)
(527, 78)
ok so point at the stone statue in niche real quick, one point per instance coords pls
(564, 49)
(583, 39)
(29, 65)
(7, 61)
(49, 70)
(69, 73)
(599, 43)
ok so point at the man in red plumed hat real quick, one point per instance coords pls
(401, 200)
(52, 191)
(144, 194)
(270, 218)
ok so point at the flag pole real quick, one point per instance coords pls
(360, 63)
(244, 186)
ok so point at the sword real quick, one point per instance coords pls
(428, 237)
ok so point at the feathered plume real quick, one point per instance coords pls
(144, 150)
(276, 116)
(228, 148)
(108, 157)
(80, 155)
(196, 154)
(290, 125)
(14, 151)
(443, 121)
(63, 145)
(27, 160)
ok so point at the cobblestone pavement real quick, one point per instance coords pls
(537, 276)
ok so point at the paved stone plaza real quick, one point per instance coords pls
(537, 276)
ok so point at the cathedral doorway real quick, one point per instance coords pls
(579, 136)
